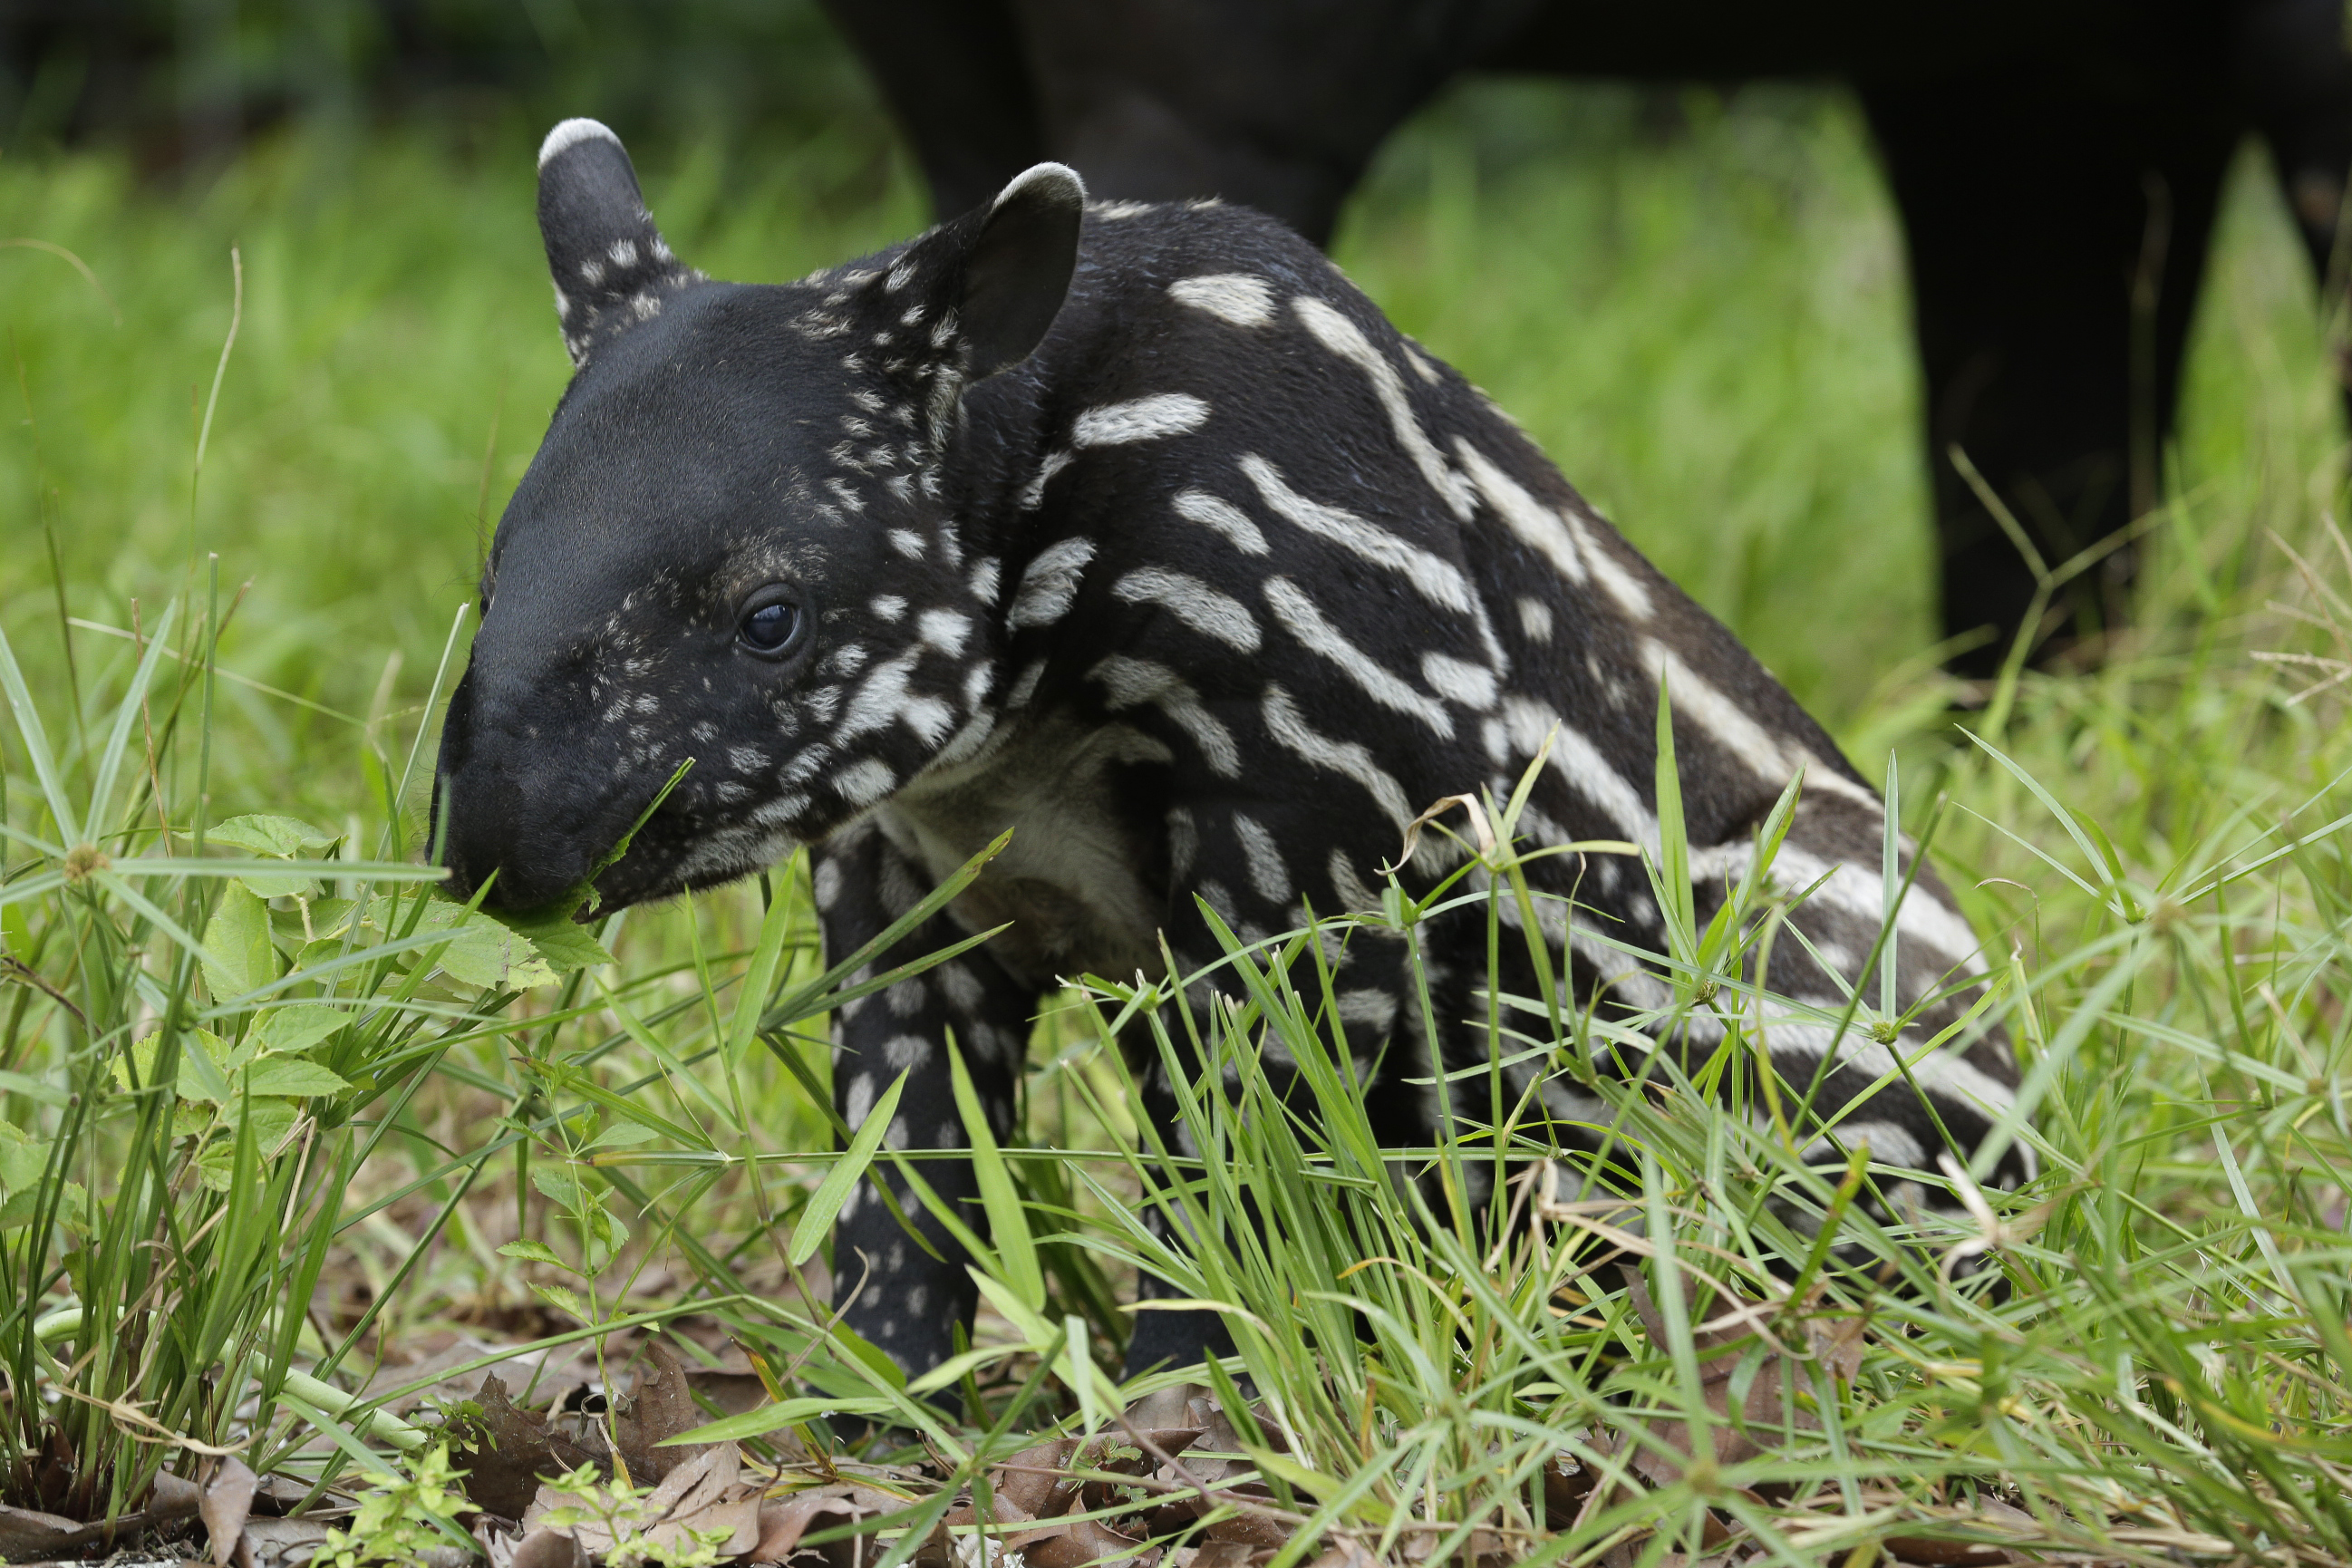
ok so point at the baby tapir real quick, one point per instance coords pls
(1137, 530)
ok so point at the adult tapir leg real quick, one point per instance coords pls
(887, 1287)
(2293, 73)
(2056, 235)
(955, 76)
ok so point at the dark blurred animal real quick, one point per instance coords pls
(1137, 530)
(2056, 163)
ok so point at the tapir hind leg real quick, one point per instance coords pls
(2057, 235)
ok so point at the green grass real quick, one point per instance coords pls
(1708, 332)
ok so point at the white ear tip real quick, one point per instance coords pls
(571, 134)
(1057, 180)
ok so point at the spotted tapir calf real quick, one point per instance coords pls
(1139, 530)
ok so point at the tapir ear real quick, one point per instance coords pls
(610, 264)
(1017, 271)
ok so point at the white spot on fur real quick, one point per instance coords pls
(1032, 494)
(1354, 896)
(1024, 685)
(1344, 338)
(1050, 584)
(888, 607)
(571, 134)
(1133, 682)
(859, 1102)
(885, 696)
(1192, 602)
(1234, 296)
(1535, 619)
(946, 630)
(863, 782)
(1538, 526)
(1152, 418)
(984, 580)
(1289, 726)
(1471, 685)
(960, 986)
(1305, 621)
(1630, 593)
(1224, 517)
(1183, 842)
(1438, 581)
(1269, 878)
(1366, 1009)
(906, 543)
(1772, 758)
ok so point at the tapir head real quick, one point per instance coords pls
(738, 545)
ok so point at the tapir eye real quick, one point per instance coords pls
(770, 625)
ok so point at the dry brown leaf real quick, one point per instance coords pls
(506, 1451)
(783, 1520)
(1217, 1554)
(1255, 1531)
(547, 1549)
(1027, 1480)
(173, 1497)
(1170, 1406)
(1078, 1542)
(660, 1408)
(27, 1534)
(225, 1501)
(278, 1543)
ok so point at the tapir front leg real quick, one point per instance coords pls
(888, 1288)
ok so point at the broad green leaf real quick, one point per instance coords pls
(292, 1075)
(239, 954)
(22, 1208)
(531, 1252)
(562, 942)
(22, 1159)
(622, 1132)
(271, 1119)
(205, 1062)
(563, 1299)
(483, 953)
(1008, 1222)
(562, 1185)
(280, 837)
(290, 1031)
(834, 1191)
(279, 885)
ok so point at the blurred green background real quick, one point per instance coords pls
(1695, 299)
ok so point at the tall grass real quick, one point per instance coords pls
(368, 1116)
